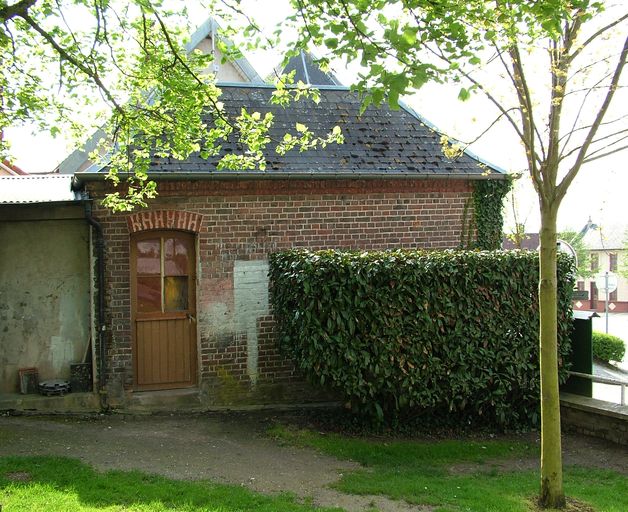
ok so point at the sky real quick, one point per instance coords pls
(599, 191)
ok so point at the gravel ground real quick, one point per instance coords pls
(228, 448)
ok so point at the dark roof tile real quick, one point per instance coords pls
(379, 139)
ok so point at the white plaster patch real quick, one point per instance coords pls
(216, 318)
(250, 290)
(61, 354)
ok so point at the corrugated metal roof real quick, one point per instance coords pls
(37, 189)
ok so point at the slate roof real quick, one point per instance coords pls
(376, 142)
(306, 70)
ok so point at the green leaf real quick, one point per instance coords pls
(331, 43)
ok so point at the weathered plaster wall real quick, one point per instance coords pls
(44, 297)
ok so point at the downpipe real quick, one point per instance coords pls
(100, 320)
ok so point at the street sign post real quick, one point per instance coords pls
(606, 282)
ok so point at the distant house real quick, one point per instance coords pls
(9, 169)
(607, 249)
(184, 288)
(529, 242)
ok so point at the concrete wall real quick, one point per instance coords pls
(237, 224)
(44, 293)
(594, 418)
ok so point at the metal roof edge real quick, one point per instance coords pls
(63, 202)
(265, 85)
(313, 175)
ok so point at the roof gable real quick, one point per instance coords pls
(238, 71)
(307, 71)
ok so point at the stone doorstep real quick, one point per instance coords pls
(169, 400)
(594, 406)
(69, 403)
(191, 400)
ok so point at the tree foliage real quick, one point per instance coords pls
(607, 347)
(559, 65)
(583, 256)
(623, 257)
(488, 209)
(59, 55)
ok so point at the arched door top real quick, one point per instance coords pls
(150, 220)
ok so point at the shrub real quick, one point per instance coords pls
(442, 334)
(607, 347)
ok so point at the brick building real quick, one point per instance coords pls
(185, 295)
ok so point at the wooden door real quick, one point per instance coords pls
(163, 309)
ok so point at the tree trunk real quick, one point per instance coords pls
(552, 494)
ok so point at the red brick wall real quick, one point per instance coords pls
(247, 220)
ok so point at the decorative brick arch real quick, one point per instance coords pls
(164, 219)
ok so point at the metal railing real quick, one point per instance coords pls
(605, 380)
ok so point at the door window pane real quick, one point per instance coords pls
(148, 294)
(175, 293)
(148, 257)
(176, 253)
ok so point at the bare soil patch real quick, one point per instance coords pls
(18, 476)
(231, 448)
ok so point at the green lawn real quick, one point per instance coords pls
(58, 484)
(457, 475)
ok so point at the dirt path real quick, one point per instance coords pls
(224, 448)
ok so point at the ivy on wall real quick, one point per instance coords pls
(488, 218)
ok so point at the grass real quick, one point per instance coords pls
(457, 475)
(58, 484)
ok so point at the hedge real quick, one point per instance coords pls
(607, 347)
(439, 334)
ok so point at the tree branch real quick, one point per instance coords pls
(616, 150)
(571, 174)
(593, 37)
(514, 83)
(65, 54)
(527, 119)
(580, 109)
(573, 130)
(16, 10)
(595, 141)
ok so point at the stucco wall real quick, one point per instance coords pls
(44, 297)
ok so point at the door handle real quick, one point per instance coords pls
(191, 318)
